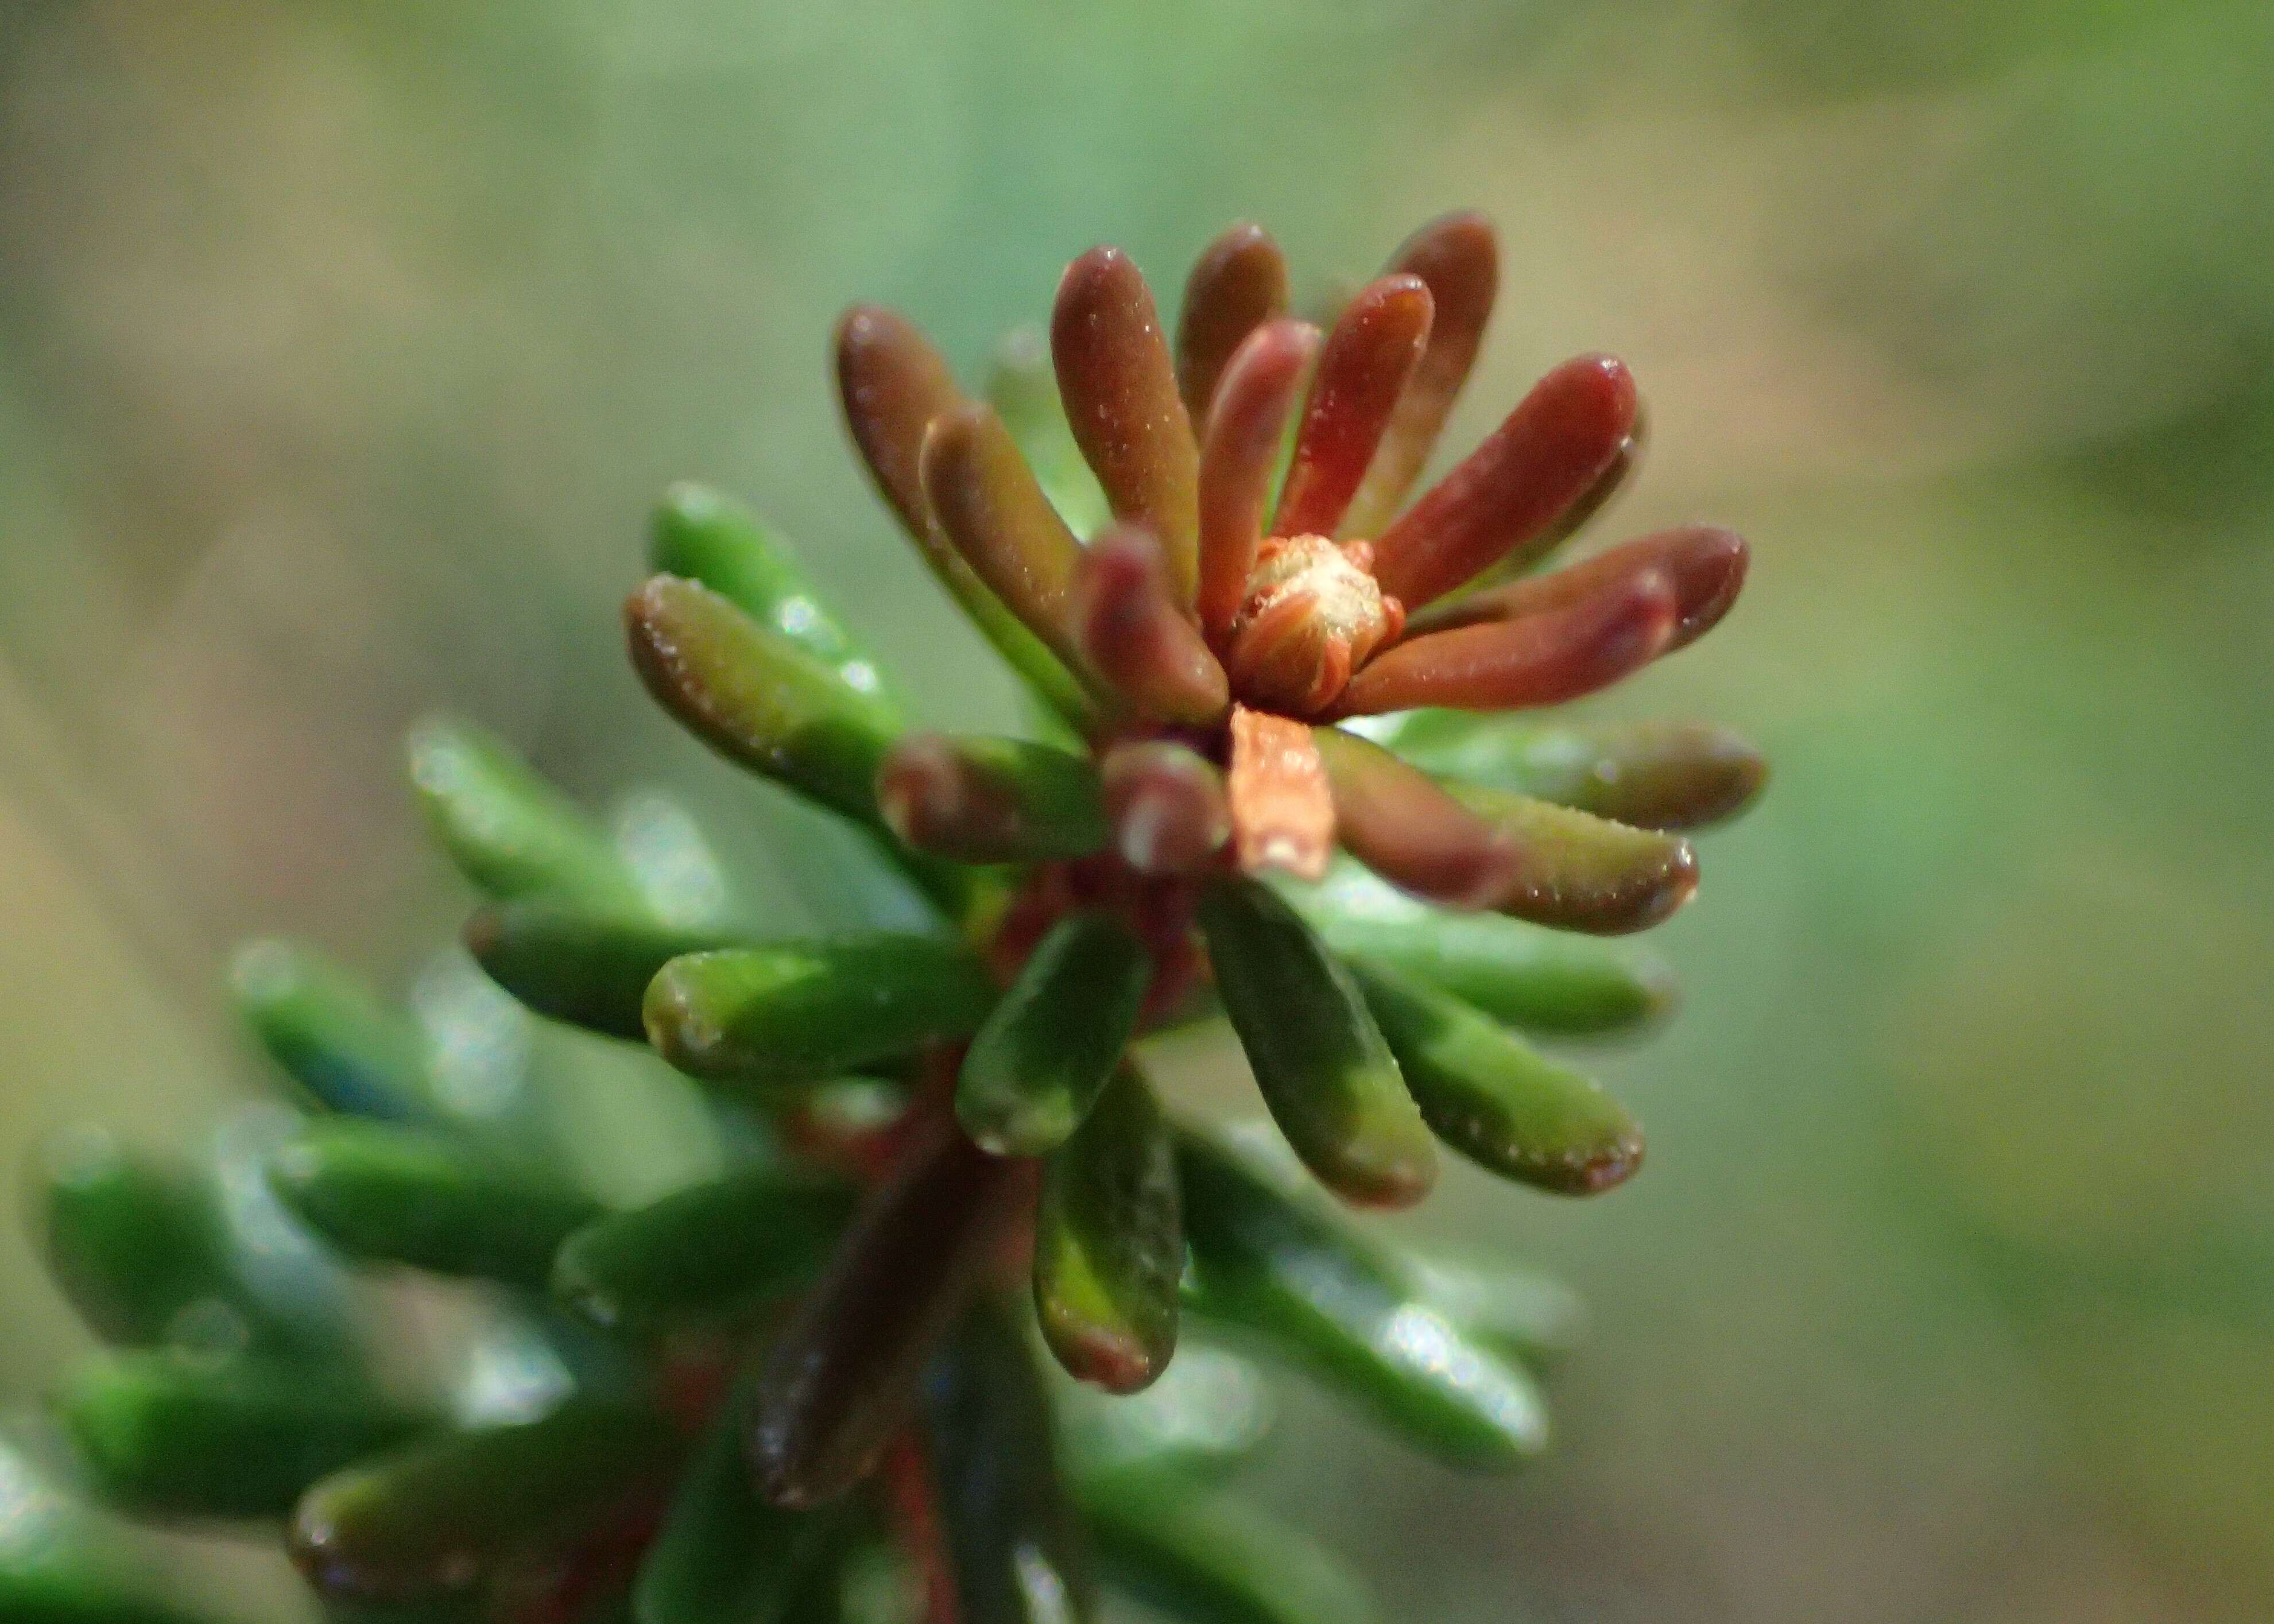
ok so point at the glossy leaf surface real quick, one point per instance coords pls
(1050, 1045)
(1330, 1080)
(791, 1012)
(1109, 1241)
(1495, 1098)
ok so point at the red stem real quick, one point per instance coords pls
(915, 1500)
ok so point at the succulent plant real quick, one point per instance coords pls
(1267, 777)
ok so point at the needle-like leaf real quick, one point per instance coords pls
(1046, 1051)
(1239, 283)
(1245, 429)
(1456, 256)
(991, 800)
(1137, 639)
(1495, 1098)
(1319, 1060)
(799, 1012)
(1369, 357)
(1109, 1241)
(1120, 393)
(840, 1382)
(381, 1193)
(1505, 497)
(702, 1255)
(1548, 658)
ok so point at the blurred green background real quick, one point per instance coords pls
(342, 347)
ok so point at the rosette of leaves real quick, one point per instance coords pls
(817, 1383)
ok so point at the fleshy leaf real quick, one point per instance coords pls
(173, 1434)
(1471, 847)
(705, 1254)
(1653, 775)
(1269, 1262)
(1166, 805)
(1136, 638)
(839, 1381)
(796, 1012)
(1246, 432)
(985, 500)
(348, 1052)
(145, 1252)
(991, 800)
(590, 970)
(437, 1516)
(1200, 1554)
(511, 833)
(1019, 1553)
(723, 1553)
(1504, 497)
(1120, 393)
(425, 1200)
(1495, 1098)
(1704, 566)
(1586, 873)
(1109, 1241)
(1456, 256)
(703, 535)
(1051, 1043)
(1239, 283)
(1522, 974)
(1548, 658)
(757, 697)
(1319, 1060)
(1370, 354)
(893, 385)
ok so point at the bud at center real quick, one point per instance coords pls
(1313, 615)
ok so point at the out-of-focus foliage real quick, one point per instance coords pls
(342, 348)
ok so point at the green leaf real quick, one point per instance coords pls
(347, 1051)
(973, 799)
(795, 1012)
(725, 1556)
(705, 1254)
(757, 698)
(1495, 1098)
(1653, 775)
(147, 1253)
(1271, 1263)
(1323, 1068)
(705, 535)
(426, 1200)
(511, 833)
(1198, 1552)
(1524, 1315)
(60, 1564)
(1580, 872)
(1109, 1241)
(1208, 1412)
(761, 700)
(590, 970)
(1524, 974)
(176, 1435)
(1053, 1039)
(1021, 1555)
(435, 1517)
